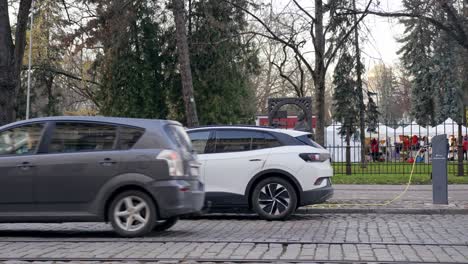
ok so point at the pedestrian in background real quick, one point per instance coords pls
(374, 149)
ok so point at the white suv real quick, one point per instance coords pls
(272, 171)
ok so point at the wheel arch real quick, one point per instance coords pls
(273, 173)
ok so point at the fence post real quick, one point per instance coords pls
(348, 150)
(461, 171)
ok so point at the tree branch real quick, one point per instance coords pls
(283, 75)
(60, 72)
(452, 15)
(462, 41)
(274, 36)
(305, 11)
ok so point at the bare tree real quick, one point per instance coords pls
(11, 58)
(325, 41)
(281, 71)
(184, 62)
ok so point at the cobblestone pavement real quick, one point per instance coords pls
(341, 237)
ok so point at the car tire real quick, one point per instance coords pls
(274, 199)
(163, 225)
(132, 214)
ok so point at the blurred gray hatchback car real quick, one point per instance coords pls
(138, 174)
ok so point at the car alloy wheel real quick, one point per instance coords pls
(132, 213)
(274, 199)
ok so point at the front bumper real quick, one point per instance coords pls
(316, 196)
(178, 197)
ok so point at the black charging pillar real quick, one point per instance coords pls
(439, 169)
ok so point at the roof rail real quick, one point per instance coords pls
(253, 126)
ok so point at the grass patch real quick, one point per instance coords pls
(393, 173)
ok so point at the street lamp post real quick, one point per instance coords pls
(28, 96)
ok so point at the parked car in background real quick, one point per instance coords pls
(138, 174)
(272, 171)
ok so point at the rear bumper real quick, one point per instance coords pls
(316, 196)
(178, 197)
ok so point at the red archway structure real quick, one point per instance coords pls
(305, 103)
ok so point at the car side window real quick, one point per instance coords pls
(82, 137)
(233, 141)
(22, 140)
(261, 140)
(128, 136)
(199, 141)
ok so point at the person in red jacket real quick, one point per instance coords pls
(374, 149)
(415, 142)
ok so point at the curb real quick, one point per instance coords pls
(425, 211)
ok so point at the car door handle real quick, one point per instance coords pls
(255, 160)
(107, 162)
(25, 165)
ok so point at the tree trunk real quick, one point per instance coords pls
(348, 150)
(184, 63)
(362, 107)
(7, 83)
(11, 58)
(319, 76)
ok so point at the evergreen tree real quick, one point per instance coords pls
(346, 101)
(430, 56)
(135, 64)
(373, 114)
(416, 58)
(447, 78)
(222, 62)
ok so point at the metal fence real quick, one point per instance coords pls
(392, 148)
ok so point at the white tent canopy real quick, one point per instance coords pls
(384, 131)
(448, 127)
(414, 129)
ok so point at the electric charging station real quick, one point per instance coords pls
(439, 169)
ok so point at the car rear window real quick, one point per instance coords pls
(179, 136)
(262, 140)
(307, 139)
(128, 136)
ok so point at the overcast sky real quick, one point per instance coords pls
(382, 44)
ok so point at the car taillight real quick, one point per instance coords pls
(314, 157)
(174, 162)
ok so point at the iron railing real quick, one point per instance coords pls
(392, 148)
